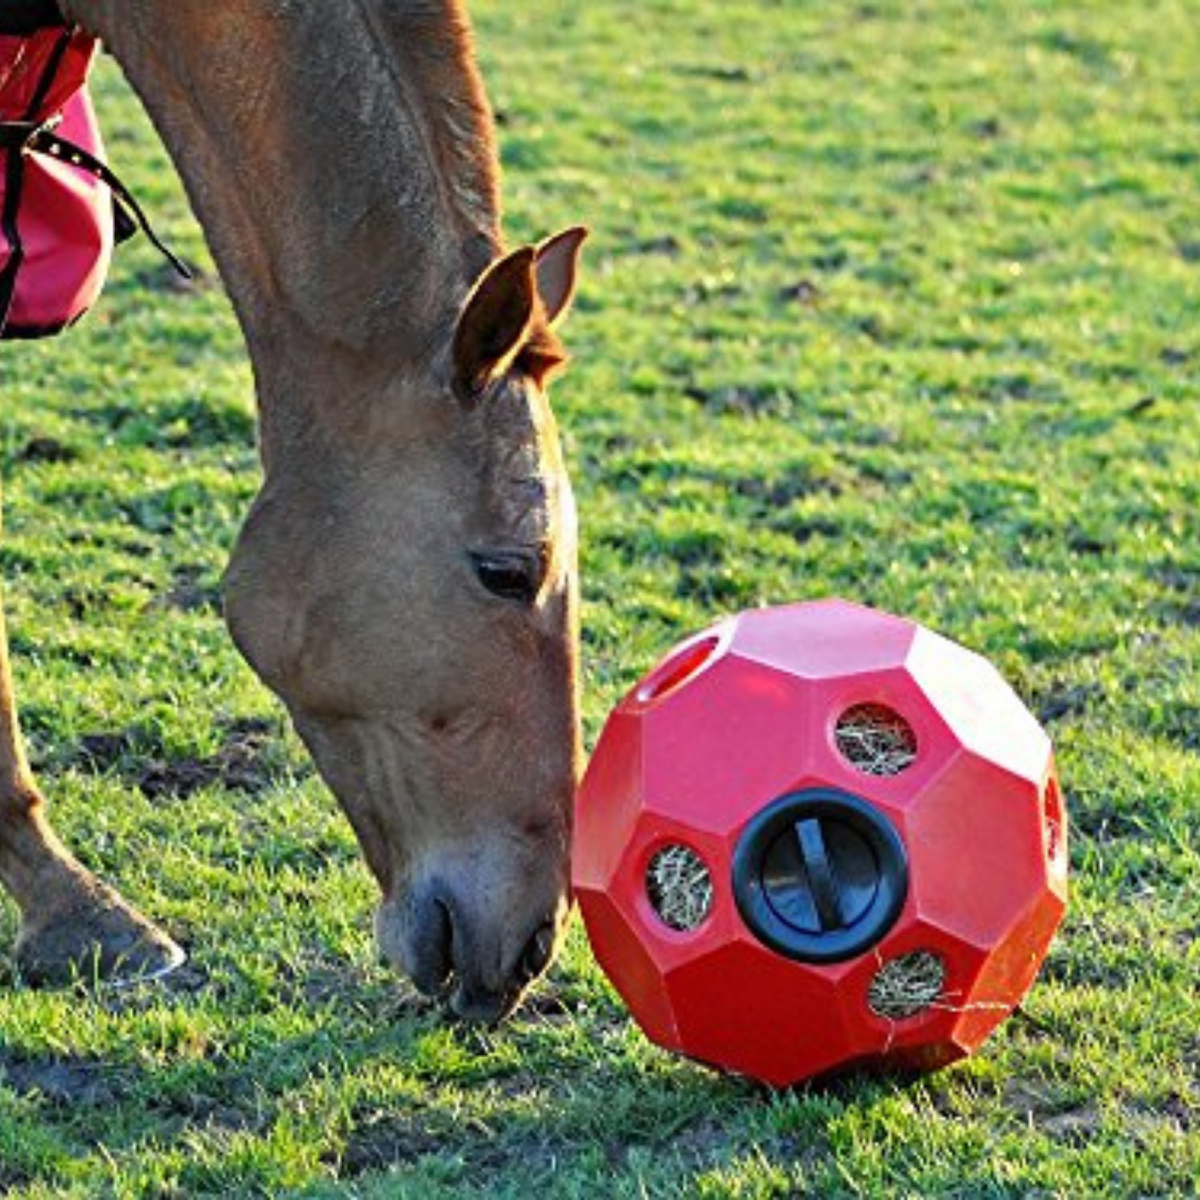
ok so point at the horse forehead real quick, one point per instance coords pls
(521, 441)
(524, 499)
(523, 485)
(520, 460)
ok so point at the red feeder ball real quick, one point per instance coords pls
(819, 836)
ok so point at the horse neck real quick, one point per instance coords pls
(340, 158)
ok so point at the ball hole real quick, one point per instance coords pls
(907, 986)
(679, 887)
(875, 739)
(678, 669)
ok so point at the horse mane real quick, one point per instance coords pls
(435, 70)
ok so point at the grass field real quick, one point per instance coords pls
(897, 301)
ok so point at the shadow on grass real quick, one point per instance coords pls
(382, 1086)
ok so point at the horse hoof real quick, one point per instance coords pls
(106, 941)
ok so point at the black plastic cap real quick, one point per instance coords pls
(820, 876)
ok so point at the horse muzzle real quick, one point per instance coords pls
(464, 955)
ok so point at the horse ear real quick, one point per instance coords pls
(495, 321)
(557, 265)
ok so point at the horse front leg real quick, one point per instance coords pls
(72, 925)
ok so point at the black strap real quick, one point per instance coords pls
(22, 17)
(44, 141)
(14, 176)
(16, 135)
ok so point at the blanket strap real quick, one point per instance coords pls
(43, 140)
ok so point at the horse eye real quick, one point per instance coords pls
(510, 576)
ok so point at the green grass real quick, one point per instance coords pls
(894, 301)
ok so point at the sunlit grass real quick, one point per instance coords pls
(899, 302)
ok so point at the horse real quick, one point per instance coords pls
(406, 579)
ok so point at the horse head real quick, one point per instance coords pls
(409, 591)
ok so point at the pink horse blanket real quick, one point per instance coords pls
(56, 212)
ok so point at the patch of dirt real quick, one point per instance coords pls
(46, 450)
(316, 977)
(100, 751)
(1076, 1125)
(64, 1081)
(1086, 543)
(238, 1106)
(704, 1144)
(549, 1004)
(488, 1156)
(244, 763)
(1022, 1096)
(185, 980)
(241, 765)
(704, 1140)
(803, 292)
(987, 129)
(388, 1142)
(1019, 386)
(1065, 700)
(872, 327)
(1181, 1111)
(382, 1139)
(190, 591)
(743, 401)
(804, 529)
(1044, 1111)
(403, 1002)
(780, 492)
(716, 72)
(1182, 604)
(668, 245)
(12, 1178)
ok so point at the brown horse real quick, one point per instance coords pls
(406, 579)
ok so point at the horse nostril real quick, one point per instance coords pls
(432, 945)
(536, 955)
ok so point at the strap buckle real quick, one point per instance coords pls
(19, 135)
